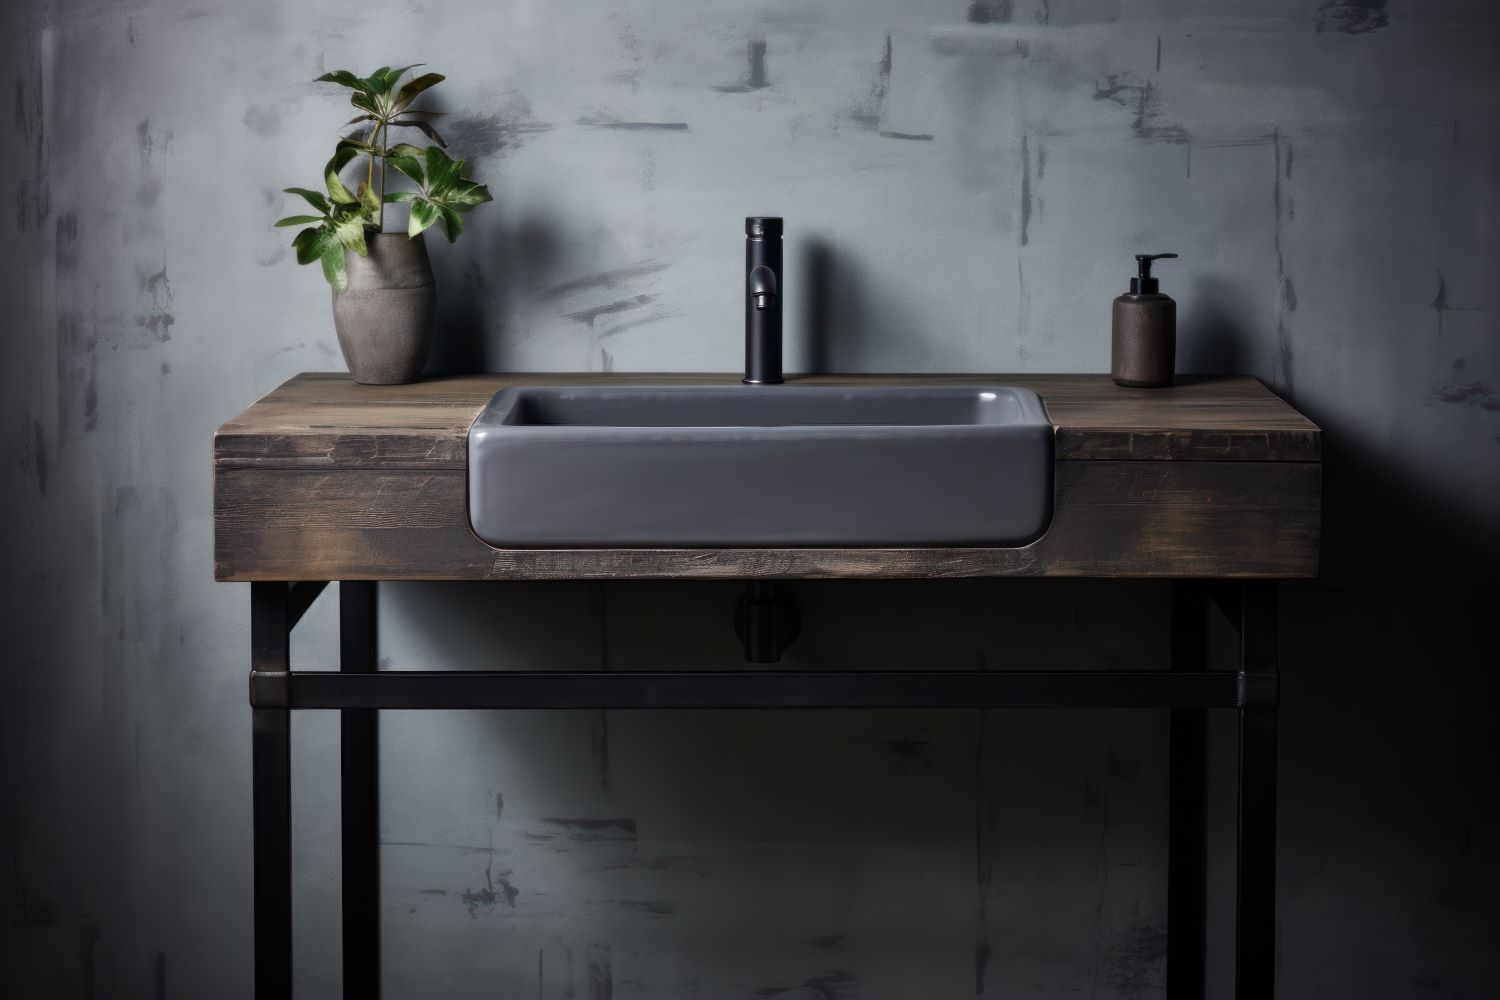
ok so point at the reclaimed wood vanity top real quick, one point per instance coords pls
(325, 479)
(321, 419)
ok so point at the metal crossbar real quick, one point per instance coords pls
(763, 689)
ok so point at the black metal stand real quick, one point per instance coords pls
(359, 793)
(358, 690)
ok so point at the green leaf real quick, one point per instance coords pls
(442, 170)
(369, 199)
(313, 198)
(452, 224)
(407, 164)
(359, 144)
(468, 194)
(401, 197)
(333, 266)
(349, 223)
(310, 244)
(423, 214)
(355, 240)
(297, 220)
(340, 195)
(343, 78)
(366, 102)
(373, 83)
(392, 76)
(413, 87)
(426, 129)
(445, 195)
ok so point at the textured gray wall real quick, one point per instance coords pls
(964, 184)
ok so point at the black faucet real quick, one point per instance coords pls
(762, 301)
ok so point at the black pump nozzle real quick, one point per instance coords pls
(1144, 284)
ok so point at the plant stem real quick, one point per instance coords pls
(385, 134)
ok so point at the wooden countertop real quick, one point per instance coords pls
(320, 420)
(327, 480)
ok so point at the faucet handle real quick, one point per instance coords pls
(763, 286)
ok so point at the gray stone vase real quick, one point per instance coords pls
(384, 317)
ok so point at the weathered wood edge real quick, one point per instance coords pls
(1113, 519)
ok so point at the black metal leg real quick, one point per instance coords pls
(1187, 857)
(360, 797)
(1255, 924)
(271, 761)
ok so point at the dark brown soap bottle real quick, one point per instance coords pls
(1144, 332)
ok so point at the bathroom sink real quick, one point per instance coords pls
(732, 466)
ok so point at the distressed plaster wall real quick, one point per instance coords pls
(964, 184)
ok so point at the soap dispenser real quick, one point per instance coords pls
(1144, 331)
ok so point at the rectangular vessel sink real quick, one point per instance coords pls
(731, 466)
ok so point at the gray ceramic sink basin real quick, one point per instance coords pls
(730, 466)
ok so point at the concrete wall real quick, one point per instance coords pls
(964, 184)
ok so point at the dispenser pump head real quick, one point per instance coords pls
(1143, 283)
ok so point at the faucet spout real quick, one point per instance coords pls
(763, 299)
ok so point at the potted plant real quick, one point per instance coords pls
(384, 299)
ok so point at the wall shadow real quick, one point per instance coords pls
(1212, 338)
(1388, 674)
(816, 305)
(476, 289)
(846, 321)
